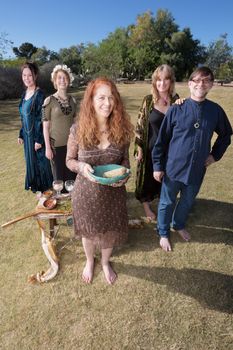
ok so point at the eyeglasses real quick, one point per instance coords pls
(205, 81)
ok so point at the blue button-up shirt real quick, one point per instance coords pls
(184, 140)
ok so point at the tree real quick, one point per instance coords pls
(72, 57)
(113, 52)
(183, 53)
(4, 44)
(25, 50)
(224, 72)
(141, 44)
(109, 58)
(43, 55)
(218, 52)
(90, 60)
(12, 63)
(147, 40)
(53, 55)
(164, 27)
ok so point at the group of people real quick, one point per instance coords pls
(181, 151)
(172, 151)
(45, 126)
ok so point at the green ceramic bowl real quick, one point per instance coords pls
(100, 169)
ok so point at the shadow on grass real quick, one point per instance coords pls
(210, 221)
(212, 290)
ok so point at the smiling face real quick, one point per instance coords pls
(199, 87)
(28, 78)
(163, 82)
(61, 80)
(103, 101)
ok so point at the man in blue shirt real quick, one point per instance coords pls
(183, 151)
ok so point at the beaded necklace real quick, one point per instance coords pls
(65, 105)
(28, 114)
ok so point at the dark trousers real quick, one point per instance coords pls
(58, 165)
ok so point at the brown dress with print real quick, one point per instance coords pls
(99, 211)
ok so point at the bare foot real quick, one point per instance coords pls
(109, 274)
(184, 234)
(88, 272)
(149, 213)
(165, 244)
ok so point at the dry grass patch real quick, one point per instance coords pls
(177, 301)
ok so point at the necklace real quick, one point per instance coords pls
(26, 114)
(64, 100)
(164, 100)
(32, 104)
(65, 105)
(197, 112)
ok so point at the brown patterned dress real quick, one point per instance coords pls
(99, 211)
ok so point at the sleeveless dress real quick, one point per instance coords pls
(38, 170)
(99, 211)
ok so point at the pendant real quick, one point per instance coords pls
(196, 125)
(165, 102)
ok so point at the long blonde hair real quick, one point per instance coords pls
(165, 68)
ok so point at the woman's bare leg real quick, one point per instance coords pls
(149, 213)
(89, 249)
(109, 274)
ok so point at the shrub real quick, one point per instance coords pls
(11, 85)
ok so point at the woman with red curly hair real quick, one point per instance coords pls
(101, 135)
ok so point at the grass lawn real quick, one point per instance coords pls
(181, 300)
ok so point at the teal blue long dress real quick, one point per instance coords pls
(38, 170)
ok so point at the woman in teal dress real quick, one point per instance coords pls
(38, 169)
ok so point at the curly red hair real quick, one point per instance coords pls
(118, 123)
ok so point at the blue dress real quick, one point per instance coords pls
(38, 170)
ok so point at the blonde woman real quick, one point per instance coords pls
(150, 117)
(59, 112)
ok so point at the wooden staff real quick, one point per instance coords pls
(34, 213)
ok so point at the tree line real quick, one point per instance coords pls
(132, 53)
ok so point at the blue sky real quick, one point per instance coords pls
(57, 24)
